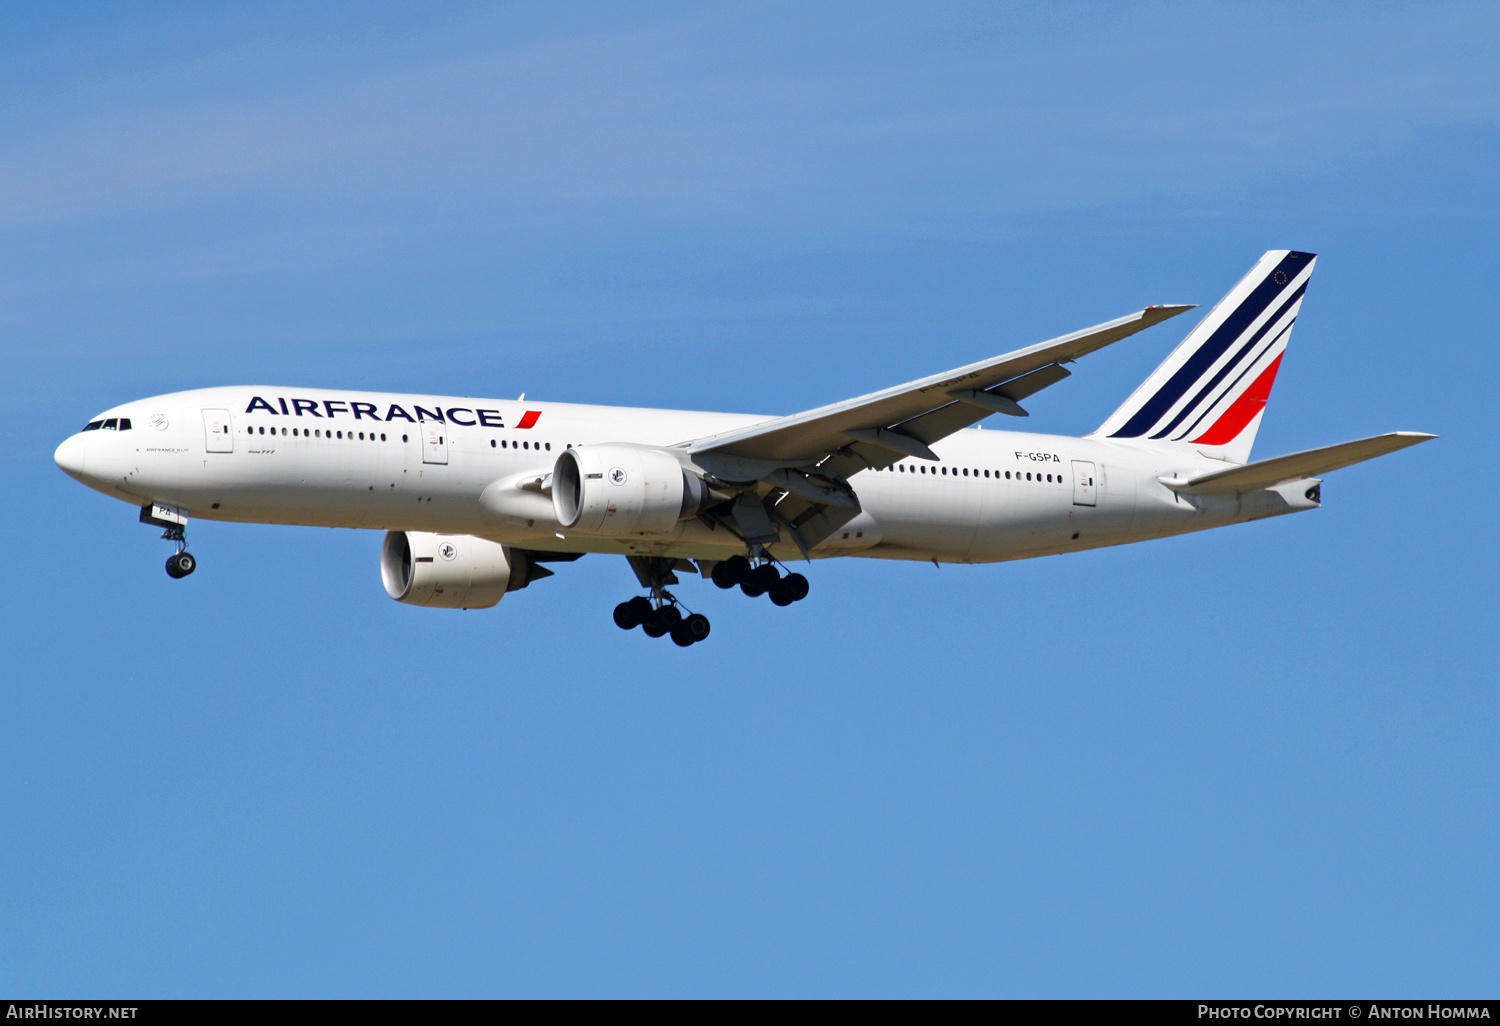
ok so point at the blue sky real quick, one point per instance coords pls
(1253, 761)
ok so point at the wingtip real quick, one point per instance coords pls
(1165, 310)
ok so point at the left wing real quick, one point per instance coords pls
(791, 470)
(906, 419)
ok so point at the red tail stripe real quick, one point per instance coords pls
(528, 418)
(1243, 409)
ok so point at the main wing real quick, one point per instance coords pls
(906, 419)
(806, 457)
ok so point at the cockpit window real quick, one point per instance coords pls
(93, 425)
(124, 423)
(112, 424)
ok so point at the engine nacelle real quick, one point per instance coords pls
(622, 489)
(453, 571)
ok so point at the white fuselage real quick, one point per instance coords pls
(421, 463)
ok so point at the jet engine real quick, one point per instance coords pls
(623, 489)
(454, 571)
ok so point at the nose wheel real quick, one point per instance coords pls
(180, 563)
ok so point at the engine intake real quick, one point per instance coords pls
(453, 571)
(623, 489)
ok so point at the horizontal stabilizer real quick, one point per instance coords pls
(1269, 473)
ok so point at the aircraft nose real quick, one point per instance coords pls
(69, 456)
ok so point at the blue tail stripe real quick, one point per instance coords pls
(1233, 327)
(1229, 365)
(1250, 366)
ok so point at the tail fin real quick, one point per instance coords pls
(1211, 392)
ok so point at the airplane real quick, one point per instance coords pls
(478, 497)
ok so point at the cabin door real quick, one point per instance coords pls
(217, 431)
(434, 442)
(1084, 490)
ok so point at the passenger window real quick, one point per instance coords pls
(403, 438)
(986, 473)
(382, 436)
(492, 443)
(549, 446)
(283, 432)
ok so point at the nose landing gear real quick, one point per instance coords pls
(180, 563)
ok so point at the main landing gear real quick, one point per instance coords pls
(663, 619)
(764, 579)
(661, 614)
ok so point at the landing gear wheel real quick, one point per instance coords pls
(691, 631)
(662, 621)
(760, 580)
(630, 615)
(781, 594)
(731, 571)
(180, 564)
(796, 586)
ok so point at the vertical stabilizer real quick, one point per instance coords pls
(1211, 393)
